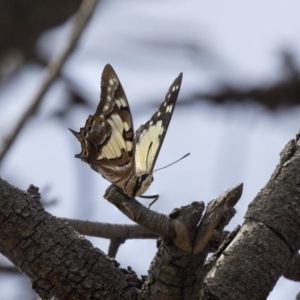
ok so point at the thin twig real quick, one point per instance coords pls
(117, 233)
(52, 70)
(110, 231)
(9, 270)
(123, 232)
(114, 247)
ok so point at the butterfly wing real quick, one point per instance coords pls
(150, 136)
(107, 137)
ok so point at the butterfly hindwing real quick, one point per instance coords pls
(108, 142)
(150, 136)
(107, 137)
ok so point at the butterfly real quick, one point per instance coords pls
(109, 144)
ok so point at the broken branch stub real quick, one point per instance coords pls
(216, 211)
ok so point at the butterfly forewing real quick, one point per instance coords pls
(108, 142)
(150, 136)
(107, 138)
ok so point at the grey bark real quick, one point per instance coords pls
(61, 263)
(259, 254)
(56, 259)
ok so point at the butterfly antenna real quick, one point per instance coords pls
(74, 132)
(173, 162)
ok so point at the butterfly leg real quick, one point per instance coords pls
(154, 197)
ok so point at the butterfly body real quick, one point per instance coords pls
(109, 144)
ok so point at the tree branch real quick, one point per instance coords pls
(180, 226)
(246, 266)
(54, 66)
(292, 272)
(114, 247)
(284, 93)
(157, 223)
(218, 213)
(176, 271)
(258, 255)
(110, 231)
(128, 231)
(53, 256)
(10, 269)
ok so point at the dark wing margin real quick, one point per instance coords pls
(107, 137)
(112, 95)
(150, 136)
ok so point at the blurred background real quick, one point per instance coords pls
(237, 108)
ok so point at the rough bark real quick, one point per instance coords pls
(61, 263)
(123, 232)
(176, 270)
(182, 226)
(247, 265)
(258, 255)
(173, 274)
(57, 261)
(293, 270)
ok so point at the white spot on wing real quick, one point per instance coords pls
(111, 82)
(169, 108)
(99, 157)
(161, 130)
(119, 103)
(126, 126)
(129, 145)
(105, 108)
(123, 102)
(108, 98)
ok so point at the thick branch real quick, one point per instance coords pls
(53, 256)
(173, 274)
(292, 272)
(258, 255)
